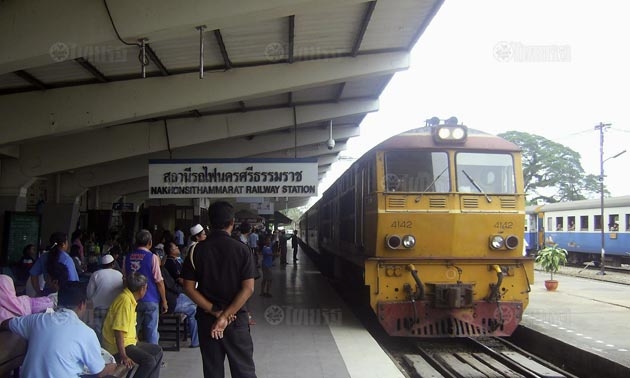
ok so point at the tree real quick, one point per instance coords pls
(551, 171)
(294, 213)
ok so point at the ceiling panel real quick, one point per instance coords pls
(275, 100)
(261, 42)
(366, 87)
(11, 80)
(62, 72)
(327, 33)
(394, 27)
(323, 93)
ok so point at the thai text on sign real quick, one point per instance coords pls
(196, 178)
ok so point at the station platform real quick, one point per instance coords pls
(587, 311)
(305, 330)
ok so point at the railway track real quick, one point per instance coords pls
(477, 358)
(594, 265)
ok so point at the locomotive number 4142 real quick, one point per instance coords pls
(402, 224)
(504, 225)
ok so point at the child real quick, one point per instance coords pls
(267, 263)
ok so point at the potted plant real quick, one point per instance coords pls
(550, 259)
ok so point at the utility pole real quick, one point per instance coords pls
(602, 127)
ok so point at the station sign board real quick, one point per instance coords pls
(225, 178)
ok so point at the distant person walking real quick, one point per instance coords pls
(267, 263)
(294, 245)
(219, 277)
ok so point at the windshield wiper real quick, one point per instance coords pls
(477, 186)
(434, 181)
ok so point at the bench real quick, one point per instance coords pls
(124, 372)
(171, 328)
(12, 353)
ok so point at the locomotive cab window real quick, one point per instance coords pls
(485, 173)
(416, 171)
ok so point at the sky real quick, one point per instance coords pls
(553, 68)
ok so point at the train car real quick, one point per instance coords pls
(577, 227)
(431, 222)
(534, 226)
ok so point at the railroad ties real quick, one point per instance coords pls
(472, 358)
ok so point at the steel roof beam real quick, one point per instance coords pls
(147, 137)
(127, 169)
(223, 49)
(98, 75)
(156, 60)
(364, 25)
(74, 109)
(30, 79)
(23, 47)
(291, 38)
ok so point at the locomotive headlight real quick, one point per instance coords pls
(444, 132)
(393, 241)
(458, 133)
(511, 242)
(497, 242)
(408, 241)
(450, 134)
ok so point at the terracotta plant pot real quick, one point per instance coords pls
(551, 285)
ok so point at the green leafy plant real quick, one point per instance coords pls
(551, 257)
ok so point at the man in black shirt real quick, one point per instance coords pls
(219, 277)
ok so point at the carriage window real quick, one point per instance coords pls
(584, 223)
(598, 222)
(416, 171)
(571, 221)
(485, 173)
(627, 222)
(559, 224)
(613, 222)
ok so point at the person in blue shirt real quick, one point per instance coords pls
(267, 263)
(48, 261)
(59, 343)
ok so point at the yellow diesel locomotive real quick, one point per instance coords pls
(431, 223)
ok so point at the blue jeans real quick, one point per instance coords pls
(148, 314)
(186, 306)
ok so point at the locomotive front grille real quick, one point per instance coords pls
(396, 202)
(470, 202)
(437, 203)
(508, 203)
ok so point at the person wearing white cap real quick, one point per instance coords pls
(197, 233)
(104, 286)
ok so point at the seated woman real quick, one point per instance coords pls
(12, 305)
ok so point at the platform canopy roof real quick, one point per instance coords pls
(83, 108)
